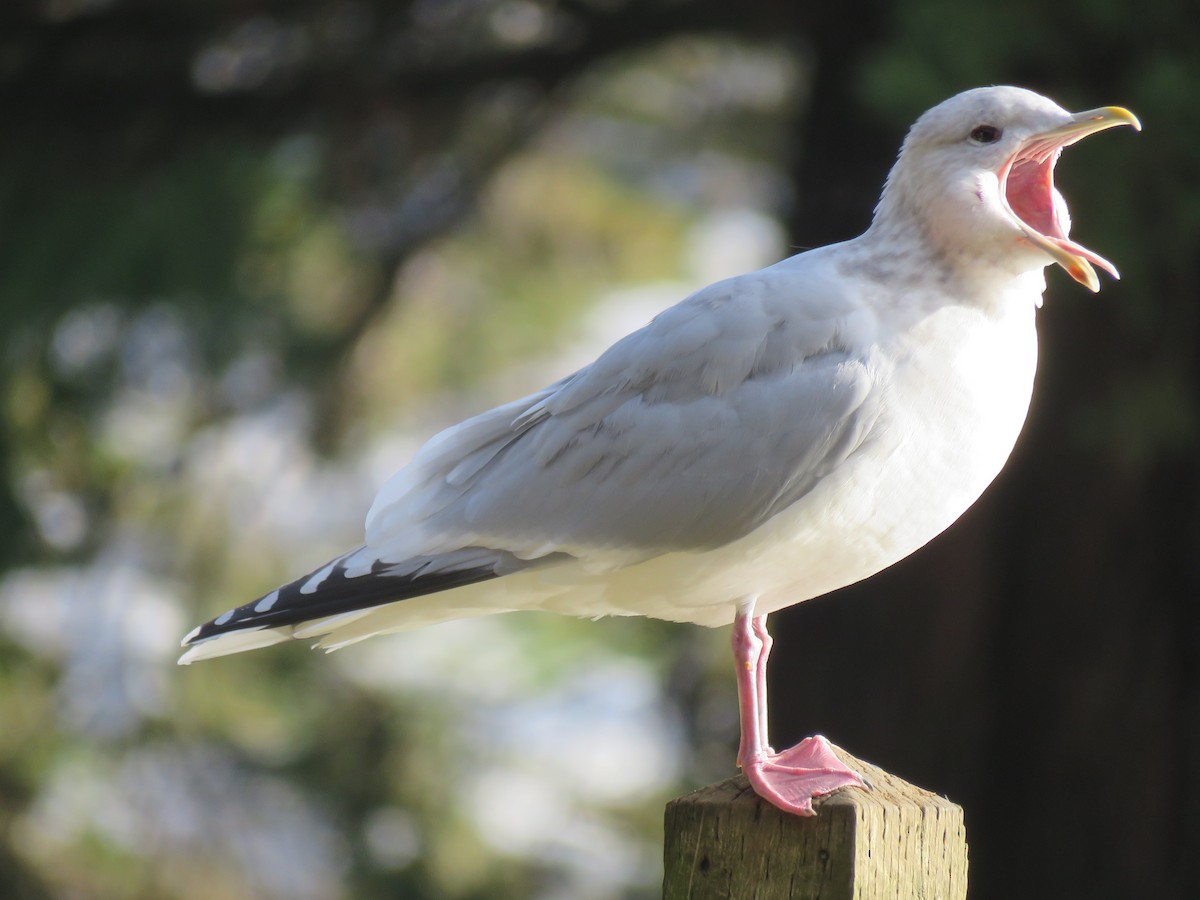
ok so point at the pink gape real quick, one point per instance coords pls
(791, 779)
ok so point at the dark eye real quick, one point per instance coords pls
(986, 134)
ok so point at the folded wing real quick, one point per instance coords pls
(684, 436)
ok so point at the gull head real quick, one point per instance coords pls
(977, 172)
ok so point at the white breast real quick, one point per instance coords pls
(957, 398)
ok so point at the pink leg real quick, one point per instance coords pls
(759, 624)
(788, 780)
(747, 650)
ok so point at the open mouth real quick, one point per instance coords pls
(1027, 186)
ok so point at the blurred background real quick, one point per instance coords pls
(252, 252)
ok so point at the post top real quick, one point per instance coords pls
(883, 790)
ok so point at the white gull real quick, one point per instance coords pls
(771, 438)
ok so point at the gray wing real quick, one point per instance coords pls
(685, 435)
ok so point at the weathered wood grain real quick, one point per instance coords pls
(889, 840)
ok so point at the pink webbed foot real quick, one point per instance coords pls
(791, 779)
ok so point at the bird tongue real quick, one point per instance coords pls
(1029, 190)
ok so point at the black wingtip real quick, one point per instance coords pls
(337, 593)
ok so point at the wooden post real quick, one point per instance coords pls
(889, 840)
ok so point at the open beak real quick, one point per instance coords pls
(1027, 186)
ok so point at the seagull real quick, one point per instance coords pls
(771, 438)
